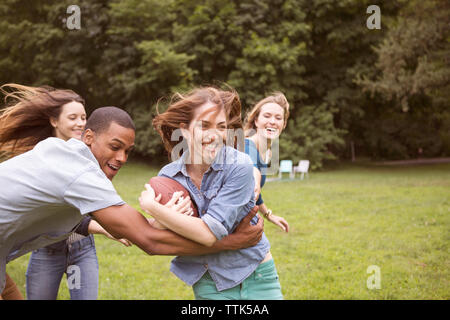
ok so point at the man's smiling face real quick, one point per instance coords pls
(110, 147)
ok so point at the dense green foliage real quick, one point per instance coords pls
(412, 76)
(385, 91)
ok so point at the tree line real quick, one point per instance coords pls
(381, 94)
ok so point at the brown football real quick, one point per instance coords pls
(167, 187)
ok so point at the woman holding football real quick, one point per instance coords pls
(220, 181)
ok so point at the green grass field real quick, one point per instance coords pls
(342, 222)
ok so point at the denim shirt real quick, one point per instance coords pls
(224, 199)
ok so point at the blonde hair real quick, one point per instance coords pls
(252, 115)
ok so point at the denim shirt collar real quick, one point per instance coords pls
(180, 164)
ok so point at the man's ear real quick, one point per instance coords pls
(88, 137)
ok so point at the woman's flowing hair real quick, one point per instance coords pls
(182, 107)
(25, 117)
(252, 115)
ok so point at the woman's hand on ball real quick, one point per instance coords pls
(148, 198)
(180, 204)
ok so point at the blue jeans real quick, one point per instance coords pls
(47, 266)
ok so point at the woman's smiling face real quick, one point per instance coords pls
(71, 121)
(206, 133)
(270, 121)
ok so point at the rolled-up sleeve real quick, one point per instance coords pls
(215, 226)
(233, 198)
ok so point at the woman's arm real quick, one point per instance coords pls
(257, 176)
(126, 222)
(244, 236)
(253, 153)
(187, 226)
(95, 228)
(223, 212)
(89, 226)
(276, 220)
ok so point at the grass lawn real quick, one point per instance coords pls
(342, 222)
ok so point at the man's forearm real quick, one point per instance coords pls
(125, 222)
(184, 225)
(166, 242)
(169, 243)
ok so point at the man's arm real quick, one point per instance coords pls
(126, 222)
(245, 235)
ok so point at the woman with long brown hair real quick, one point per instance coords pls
(220, 181)
(31, 115)
(28, 115)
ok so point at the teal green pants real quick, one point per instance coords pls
(262, 284)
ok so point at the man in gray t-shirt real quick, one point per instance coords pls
(45, 192)
(48, 195)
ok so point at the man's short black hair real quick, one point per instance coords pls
(101, 119)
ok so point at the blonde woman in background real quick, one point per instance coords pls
(263, 124)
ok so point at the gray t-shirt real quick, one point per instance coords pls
(44, 194)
